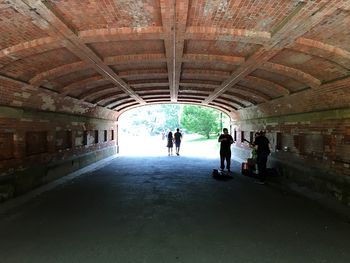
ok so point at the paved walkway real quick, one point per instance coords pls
(169, 209)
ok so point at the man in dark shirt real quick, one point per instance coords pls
(177, 137)
(262, 146)
(225, 140)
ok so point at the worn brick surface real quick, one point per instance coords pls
(287, 45)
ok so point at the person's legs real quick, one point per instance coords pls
(177, 144)
(261, 161)
(222, 160)
(228, 161)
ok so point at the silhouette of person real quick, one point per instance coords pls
(262, 145)
(177, 138)
(170, 144)
(225, 140)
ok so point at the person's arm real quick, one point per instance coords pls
(231, 139)
(221, 138)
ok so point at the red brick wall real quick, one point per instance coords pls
(328, 96)
(17, 94)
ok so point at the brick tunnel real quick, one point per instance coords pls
(70, 68)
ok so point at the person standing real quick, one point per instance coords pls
(262, 145)
(170, 143)
(225, 140)
(177, 138)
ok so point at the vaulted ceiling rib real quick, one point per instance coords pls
(226, 54)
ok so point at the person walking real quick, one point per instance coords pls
(170, 143)
(262, 146)
(177, 138)
(225, 140)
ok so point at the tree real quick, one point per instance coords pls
(152, 119)
(200, 120)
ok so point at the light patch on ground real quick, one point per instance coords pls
(192, 145)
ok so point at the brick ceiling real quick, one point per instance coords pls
(229, 54)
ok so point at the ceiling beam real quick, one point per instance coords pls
(43, 15)
(174, 18)
(293, 73)
(325, 47)
(121, 34)
(181, 14)
(305, 16)
(227, 34)
(167, 9)
(213, 58)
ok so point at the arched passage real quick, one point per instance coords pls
(66, 76)
(142, 131)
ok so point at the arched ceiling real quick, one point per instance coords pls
(228, 54)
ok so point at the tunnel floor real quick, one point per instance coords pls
(170, 209)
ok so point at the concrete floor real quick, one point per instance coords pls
(169, 209)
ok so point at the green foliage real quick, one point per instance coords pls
(155, 119)
(201, 120)
(151, 119)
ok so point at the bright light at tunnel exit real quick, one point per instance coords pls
(143, 130)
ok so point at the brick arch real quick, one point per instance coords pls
(28, 48)
(80, 84)
(228, 34)
(95, 92)
(293, 73)
(105, 98)
(120, 103)
(221, 107)
(222, 75)
(58, 72)
(250, 92)
(231, 107)
(331, 53)
(234, 60)
(229, 103)
(246, 90)
(326, 47)
(239, 97)
(149, 83)
(199, 84)
(267, 83)
(119, 34)
(143, 74)
(135, 58)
